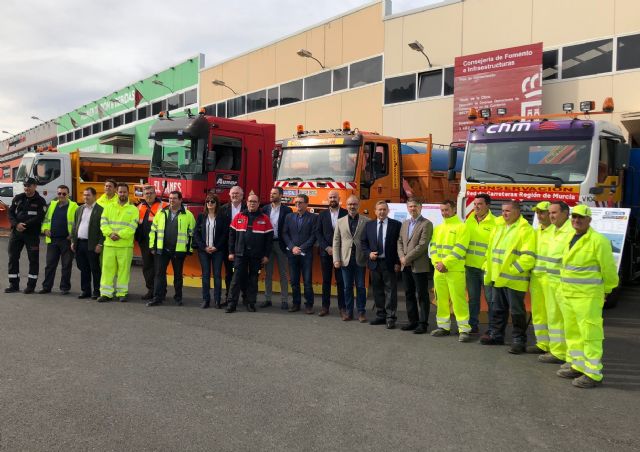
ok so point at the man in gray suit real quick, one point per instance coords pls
(348, 255)
(413, 248)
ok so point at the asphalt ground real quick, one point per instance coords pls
(77, 375)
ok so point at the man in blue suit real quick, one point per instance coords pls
(327, 220)
(299, 235)
(380, 244)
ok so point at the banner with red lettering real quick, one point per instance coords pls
(507, 78)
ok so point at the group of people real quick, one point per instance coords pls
(564, 264)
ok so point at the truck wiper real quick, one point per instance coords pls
(506, 176)
(472, 179)
(559, 180)
(290, 178)
(330, 179)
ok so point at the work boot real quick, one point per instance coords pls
(568, 373)
(11, 289)
(231, 307)
(549, 359)
(251, 307)
(123, 299)
(585, 382)
(28, 290)
(517, 348)
(487, 339)
(440, 332)
(566, 366)
(464, 337)
(148, 296)
(44, 291)
(104, 299)
(154, 303)
(409, 327)
(421, 329)
(534, 349)
(294, 308)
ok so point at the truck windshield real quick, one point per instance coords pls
(24, 170)
(333, 163)
(544, 161)
(177, 155)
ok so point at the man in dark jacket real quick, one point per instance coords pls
(25, 215)
(86, 242)
(149, 206)
(250, 242)
(299, 235)
(327, 221)
(380, 243)
(227, 213)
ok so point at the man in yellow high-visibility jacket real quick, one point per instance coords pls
(109, 196)
(118, 224)
(539, 280)
(588, 273)
(480, 224)
(560, 233)
(510, 258)
(448, 249)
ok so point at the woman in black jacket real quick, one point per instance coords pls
(211, 238)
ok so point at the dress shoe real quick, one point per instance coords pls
(421, 329)
(29, 290)
(11, 289)
(205, 305)
(284, 306)
(323, 312)
(95, 296)
(42, 291)
(265, 304)
(294, 308)
(362, 318)
(377, 321)
(123, 299)
(154, 303)
(178, 301)
(82, 296)
(548, 358)
(64, 292)
(440, 332)
(251, 307)
(568, 373)
(474, 330)
(585, 382)
(217, 305)
(230, 308)
(391, 324)
(147, 296)
(309, 310)
(487, 339)
(409, 327)
(517, 348)
(103, 299)
(347, 318)
(534, 349)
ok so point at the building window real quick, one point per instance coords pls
(95, 128)
(291, 92)
(550, 65)
(106, 124)
(448, 81)
(173, 102)
(317, 85)
(340, 78)
(587, 59)
(628, 52)
(365, 72)
(86, 131)
(273, 95)
(159, 106)
(69, 137)
(143, 112)
(77, 134)
(191, 97)
(62, 139)
(128, 116)
(181, 100)
(222, 110)
(210, 110)
(117, 121)
(236, 106)
(400, 89)
(257, 101)
(430, 84)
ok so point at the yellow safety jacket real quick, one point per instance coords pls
(186, 225)
(542, 250)
(479, 237)
(123, 220)
(71, 211)
(449, 244)
(511, 256)
(103, 201)
(558, 238)
(588, 268)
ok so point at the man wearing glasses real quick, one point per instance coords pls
(57, 227)
(149, 206)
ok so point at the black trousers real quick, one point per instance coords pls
(417, 306)
(88, 262)
(245, 278)
(328, 271)
(162, 260)
(505, 299)
(148, 267)
(229, 268)
(385, 291)
(59, 250)
(17, 241)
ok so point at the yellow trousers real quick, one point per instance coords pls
(451, 286)
(116, 271)
(539, 310)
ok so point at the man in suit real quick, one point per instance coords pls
(299, 235)
(86, 241)
(227, 213)
(413, 249)
(349, 257)
(380, 243)
(276, 212)
(327, 221)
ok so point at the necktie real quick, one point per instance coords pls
(380, 240)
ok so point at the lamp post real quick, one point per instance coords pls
(159, 83)
(51, 121)
(221, 83)
(304, 53)
(82, 113)
(415, 45)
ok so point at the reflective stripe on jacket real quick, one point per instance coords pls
(71, 212)
(479, 237)
(511, 256)
(449, 244)
(588, 268)
(186, 225)
(557, 241)
(122, 220)
(542, 250)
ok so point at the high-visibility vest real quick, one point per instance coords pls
(557, 241)
(71, 211)
(121, 219)
(143, 207)
(103, 201)
(186, 225)
(588, 267)
(542, 253)
(449, 244)
(511, 256)
(479, 236)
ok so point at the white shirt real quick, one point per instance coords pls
(385, 223)
(274, 216)
(83, 228)
(235, 210)
(334, 217)
(211, 230)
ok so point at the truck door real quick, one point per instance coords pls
(48, 172)
(375, 181)
(224, 163)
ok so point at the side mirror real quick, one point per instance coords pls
(621, 156)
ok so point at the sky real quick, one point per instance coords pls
(56, 56)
